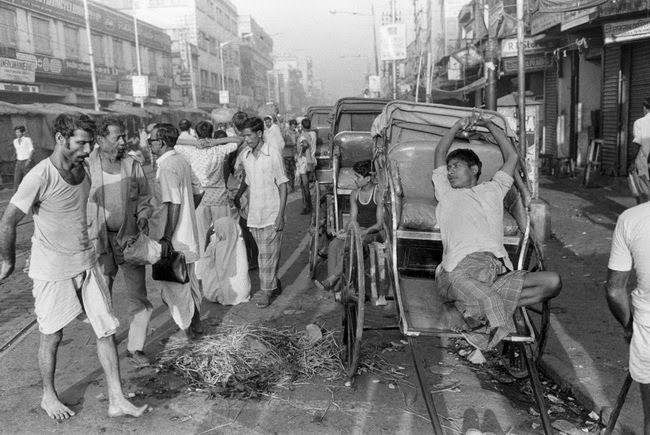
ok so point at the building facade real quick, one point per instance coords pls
(256, 61)
(205, 27)
(44, 54)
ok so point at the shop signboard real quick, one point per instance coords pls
(535, 62)
(573, 19)
(626, 30)
(531, 45)
(140, 86)
(620, 7)
(393, 42)
(16, 70)
(541, 21)
(44, 64)
(224, 97)
(14, 87)
(374, 84)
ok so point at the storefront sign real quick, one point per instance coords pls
(534, 62)
(626, 30)
(76, 68)
(393, 42)
(575, 18)
(14, 70)
(374, 83)
(101, 20)
(44, 64)
(224, 97)
(620, 7)
(12, 87)
(140, 86)
(509, 46)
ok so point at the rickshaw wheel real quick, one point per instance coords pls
(353, 299)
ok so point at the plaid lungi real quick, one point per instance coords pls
(268, 244)
(479, 288)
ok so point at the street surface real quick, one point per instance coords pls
(586, 353)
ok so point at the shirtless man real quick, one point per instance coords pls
(475, 272)
(67, 279)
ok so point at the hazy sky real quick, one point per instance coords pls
(340, 45)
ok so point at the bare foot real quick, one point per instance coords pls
(180, 336)
(455, 319)
(55, 409)
(122, 407)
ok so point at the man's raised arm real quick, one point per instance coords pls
(510, 155)
(8, 223)
(440, 158)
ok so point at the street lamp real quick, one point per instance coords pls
(374, 29)
(221, 46)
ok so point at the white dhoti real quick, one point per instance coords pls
(57, 303)
(640, 353)
(182, 299)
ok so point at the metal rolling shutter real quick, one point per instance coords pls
(609, 111)
(550, 110)
(639, 87)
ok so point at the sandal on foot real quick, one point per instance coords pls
(263, 298)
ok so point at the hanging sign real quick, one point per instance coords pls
(393, 41)
(140, 86)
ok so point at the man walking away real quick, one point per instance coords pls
(67, 279)
(187, 132)
(24, 155)
(631, 249)
(119, 207)
(639, 167)
(175, 224)
(268, 197)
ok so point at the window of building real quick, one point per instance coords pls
(8, 27)
(134, 58)
(152, 62)
(204, 78)
(71, 38)
(215, 80)
(98, 48)
(42, 38)
(118, 56)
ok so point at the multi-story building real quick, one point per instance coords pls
(256, 61)
(44, 54)
(209, 25)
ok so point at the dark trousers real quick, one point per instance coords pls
(249, 241)
(20, 170)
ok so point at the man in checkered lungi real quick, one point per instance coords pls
(475, 272)
(268, 197)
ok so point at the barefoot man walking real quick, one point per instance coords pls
(67, 279)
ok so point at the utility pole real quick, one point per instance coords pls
(137, 47)
(90, 54)
(374, 38)
(393, 13)
(429, 51)
(521, 76)
(190, 63)
(491, 70)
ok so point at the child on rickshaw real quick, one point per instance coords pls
(367, 210)
(476, 273)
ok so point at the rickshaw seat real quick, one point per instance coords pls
(352, 147)
(413, 162)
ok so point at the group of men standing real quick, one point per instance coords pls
(90, 198)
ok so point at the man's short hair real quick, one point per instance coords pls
(107, 122)
(306, 123)
(238, 120)
(184, 125)
(20, 128)
(646, 104)
(293, 122)
(468, 156)
(204, 129)
(363, 167)
(67, 123)
(167, 133)
(220, 134)
(255, 124)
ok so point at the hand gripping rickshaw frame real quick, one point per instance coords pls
(529, 340)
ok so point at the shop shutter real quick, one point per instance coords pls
(550, 110)
(610, 113)
(639, 88)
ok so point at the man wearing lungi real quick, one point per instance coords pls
(631, 249)
(265, 176)
(476, 273)
(119, 208)
(67, 280)
(175, 199)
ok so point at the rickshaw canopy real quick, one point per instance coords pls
(355, 105)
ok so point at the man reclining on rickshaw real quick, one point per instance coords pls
(367, 211)
(476, 273)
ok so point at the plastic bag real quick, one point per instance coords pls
(142, 250)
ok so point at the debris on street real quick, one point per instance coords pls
(247, 361)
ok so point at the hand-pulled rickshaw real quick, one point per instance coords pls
(405, 153)
(350, 142)
(319, 116)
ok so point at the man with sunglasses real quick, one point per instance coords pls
(119, 207)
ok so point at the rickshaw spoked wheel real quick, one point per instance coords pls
(353, 297)
(315, 232)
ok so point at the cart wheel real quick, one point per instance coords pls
(315, 233)
(353, 297)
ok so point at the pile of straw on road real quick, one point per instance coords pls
(247, 361)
